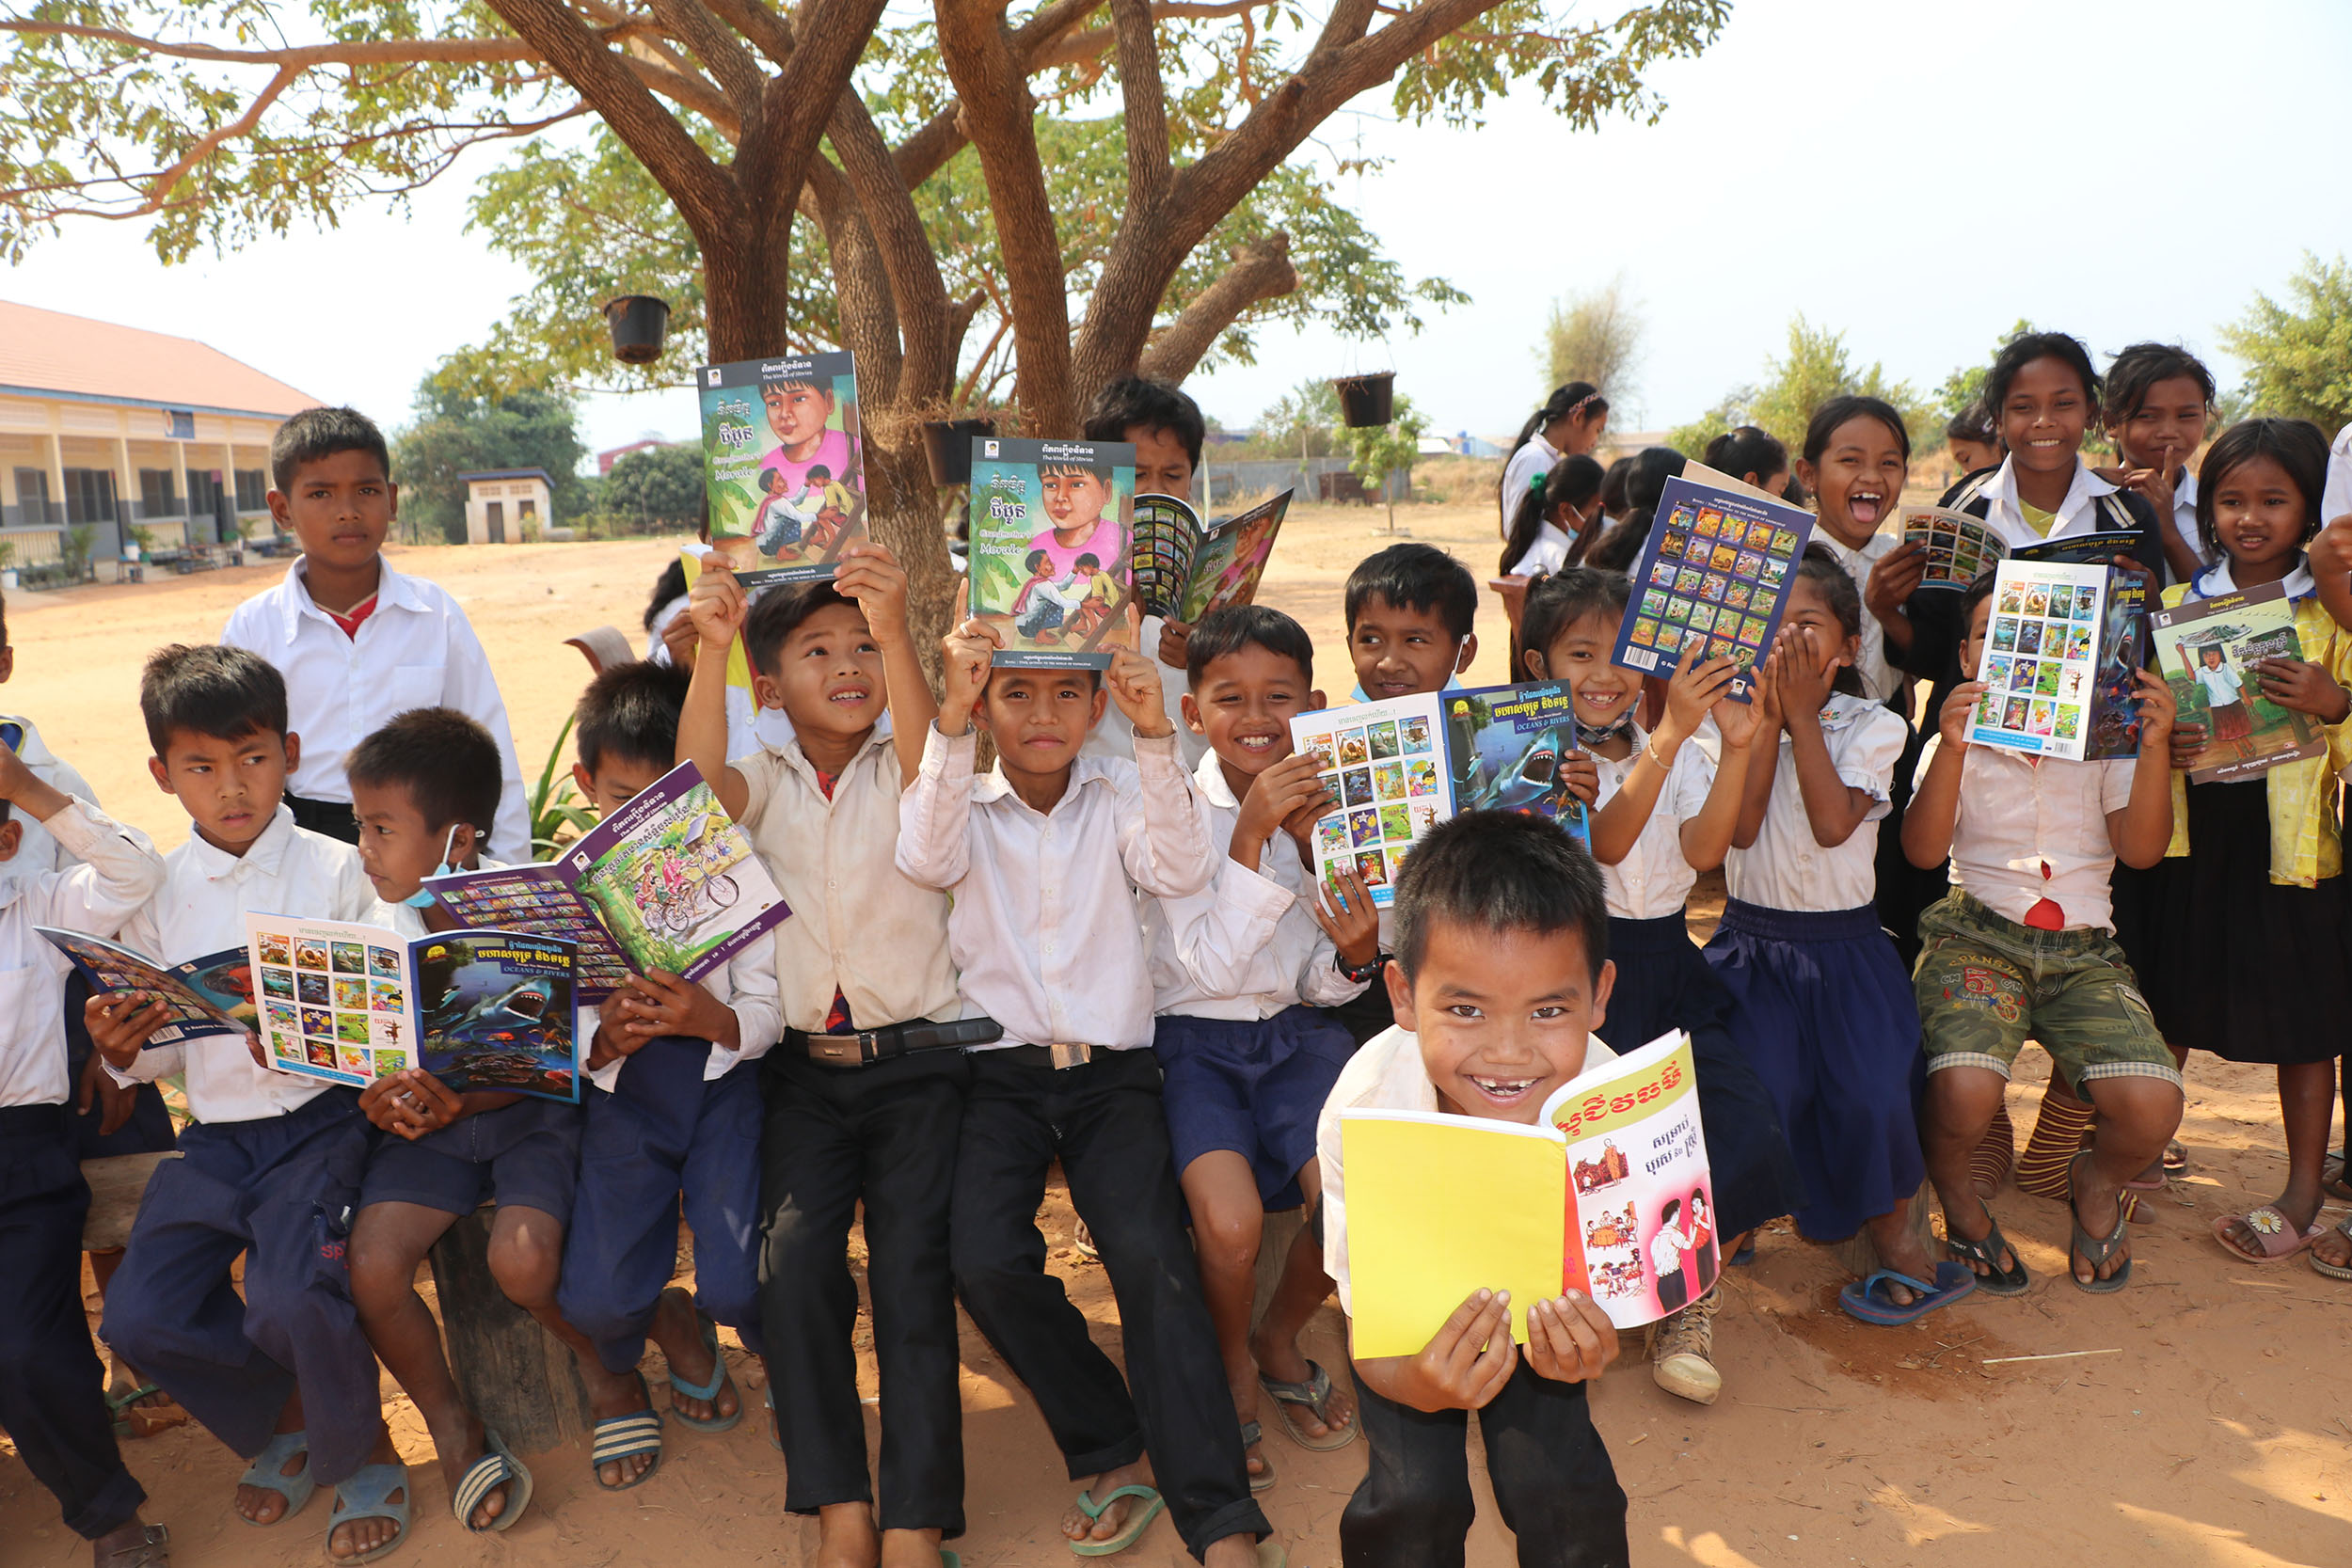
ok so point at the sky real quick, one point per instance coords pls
(1918, 177)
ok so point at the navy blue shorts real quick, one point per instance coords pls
(525, 1155)
(1255, 1089)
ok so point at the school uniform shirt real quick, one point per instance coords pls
(114, 871)
(1386, 1075)
(1548, 553)
(1880, 679)
(199, 908)
(415, 650)
(1114, 737)
(1246, 946)
(1654, 879)
(746, 984)
(2335, 497)
(38, 850)
(1044, 929)
(2077, 514)
(2184, 519)
(2030, 829)
(859, 925)
(407, 919)
(1519, 475)
(1785, 869)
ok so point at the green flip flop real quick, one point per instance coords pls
(1139, 1520)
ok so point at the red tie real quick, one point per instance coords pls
(2045, 915)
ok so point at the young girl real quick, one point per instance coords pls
(1559, 508)
(1973, 440)
(1856, 457)
(1646, 482)
(1665, 811)
(2159, 400)
(1750, 455)
(1570, 422)
(1828, 1018)
(2257, 885)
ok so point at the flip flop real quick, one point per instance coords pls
(1746, 1256)
(2332, 1179)
(1251, 1435)
(364, 1496)
(2176, 1160)
(1987, 1250)
(1139, 1520)
(625, 1437)
(2094, 1250)
(1313, 1394)
(264, 1473)
(2321, 1265)
(1870, 1299)
(708, 1391)
(131, 1420)
(496, 1466)
(2278, 1240)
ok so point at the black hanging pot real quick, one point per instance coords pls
(947, 448)
(1366, 401)
(638, 322)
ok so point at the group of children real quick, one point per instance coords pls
(1108, 952)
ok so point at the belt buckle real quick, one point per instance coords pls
(1066, 1055)
(842, 1050)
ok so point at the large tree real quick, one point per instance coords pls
(250, 116)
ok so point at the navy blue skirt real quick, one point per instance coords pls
(1662, 983)
(1827, 1018)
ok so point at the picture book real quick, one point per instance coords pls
(1608, 1194)
(2114, 719)
(1051, 528)
(1960, 547)
(210, 996)
(667, 882)
(351, 1004)
(1400, 766)
(1185, 568)
(2041, 657)
(2208, 649)
(1713, 576)
(783, 464)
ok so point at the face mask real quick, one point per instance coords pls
(422, 898)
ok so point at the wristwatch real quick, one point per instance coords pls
(1359, 975)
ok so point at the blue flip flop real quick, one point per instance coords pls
(365, 1496)
(264, 1473)
(1139, 1520)
(497, 1466)
(626, 1436)
(706, 1390)
(1871, 1299)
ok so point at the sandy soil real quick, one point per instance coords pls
(2217, 1432)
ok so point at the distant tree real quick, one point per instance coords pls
(1377, 452)
(1305, 418)
(1815, 369)
(456, 432)
(654, 487)
(2298, 355)
(1595, 336)
(1964, 388)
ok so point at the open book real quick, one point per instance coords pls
(1185, 567)
(2208, 649)
(1959, 546)
(210, 996)
(1607, 1193)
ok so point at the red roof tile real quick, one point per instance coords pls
(48, 351)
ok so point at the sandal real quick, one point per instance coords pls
(1871, 1299)
(1314, 1395)
(2176, 1158)
(264, 1472)
(625, 1437)
(134, 1420)
(2094, 1250)
(152, 1549)
(1987, 1250)
(1139, 1520)
(2277, 1237)
(2332, 1179)
(365, 1496)
(2330, 1270)
(707, 1391)
(1251, 1435)
(497, 1466)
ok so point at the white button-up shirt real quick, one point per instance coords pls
(111, 871)
(2335, 501)
(1879, 676)
(1548, 553)
(2077, 514)
(415, 649)
(2030, 829)
(38, 850)
(1113, 737)
(1654, 879)
(2184, 519)
(200, 909)
(1246, 946)
(1519, 475)
(1044, 929)
(747, 984)
(1785, 869)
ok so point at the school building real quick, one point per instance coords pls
(110, 435)
(508, 506)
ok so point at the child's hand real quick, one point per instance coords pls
(716, 605)
(870, 574)
(1467, 1361)
(1581, 776)
(658, 1002)
(1951, 720)
(964, 655)
(1175, 639)
(2131, 567)
(410, 1102)
(1692, 691)
(1135, 685)
(1803, 682)
(1569, 1339)
(611, 1041)
(1740, 722)
(1343, 908)
(2304, 687)
(2330, 550)
(1767, 693)
(98, 1088)
(121, 1022)
(1275, 796)
(2187, 740)
(1300, 824)
(1893, 581)
(2156, 710)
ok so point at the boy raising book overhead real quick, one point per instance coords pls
(356, 641)
(1043, 857)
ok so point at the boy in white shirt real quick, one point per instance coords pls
(273, 1163)
(1043, 857)
(52, 1398)
(866, 1093)
(2024, 947)
(1238, 972)
(358, 641)
(1499, 974)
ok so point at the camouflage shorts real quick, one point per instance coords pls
(1986, 986)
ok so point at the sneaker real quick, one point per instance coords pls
(1683, 1350)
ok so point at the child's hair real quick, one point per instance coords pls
(1818, 566)
(2023, 350)
(226, 693)
(1232, 628)
(1794, 492)
(817, 471)
(1612, 485)
(1747, 451)
(1973, 423)
(631, 711)
(668, 586)
(1616, 550)
(446, 762)
(2136, 371)
(1837, 410)
(1138, 399)
(1978, 590)
(1416, 577)
(2297, 446)
(1576, 397)
(821, 385)
(1088, 560)
(1098, 466)
(1500, 871)
(1574, 481)
(1555, 603)
(320, 432)
(775, 615)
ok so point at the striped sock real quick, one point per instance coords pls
(2057, 1137)
(1989, 1164)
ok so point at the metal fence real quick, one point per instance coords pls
(1226, 486)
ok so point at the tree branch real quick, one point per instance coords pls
(721, 53)
(770, 33)
(1145, 98)
(796, 103)
(916, 290)
(1261, 270)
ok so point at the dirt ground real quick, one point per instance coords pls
(2212, 1427)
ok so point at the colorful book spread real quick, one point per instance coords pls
(2208, 650)
(1185, 568)
(210, 996)
(2114, 720)
(782, 465)
(1960, 547)
(2041, 652)
(1052, 543)
(1713, 576)
(1441, 1205)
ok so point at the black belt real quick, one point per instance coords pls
(869, 1046)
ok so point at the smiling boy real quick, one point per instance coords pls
(1409, 610)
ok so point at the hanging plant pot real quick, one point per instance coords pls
(1366, 401)
(947, 448)
(638, 322)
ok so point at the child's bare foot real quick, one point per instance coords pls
(260, 1505)
(1232, 1551)
(846, 1537)
(1286, 1363)
(457, 1449)
(911, 1548)
(1900, 1249)
(610, 1397)
(138, 1414)
(1242, 1382)
(2297, 1211)
(2334, 1247)
(1077, 1527)
(2098, 1205)
(677, 1330)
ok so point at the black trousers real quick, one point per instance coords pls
(1106, 1123)
(1552, 1480)
(53, 1391)
(884, 1135)
(335, 818)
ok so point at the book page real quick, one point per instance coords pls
(1385, 762)
(1641, 1236)
(1168, 537)
(1960, 547)
(783, 464)
(210, 996)
(2041, 657)
(1714, 577)
(495, 1010)
(351, 1019)
(1052, 539)
(2208, 649)
(539, 900)
(1506, 746)
(1232, 557)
